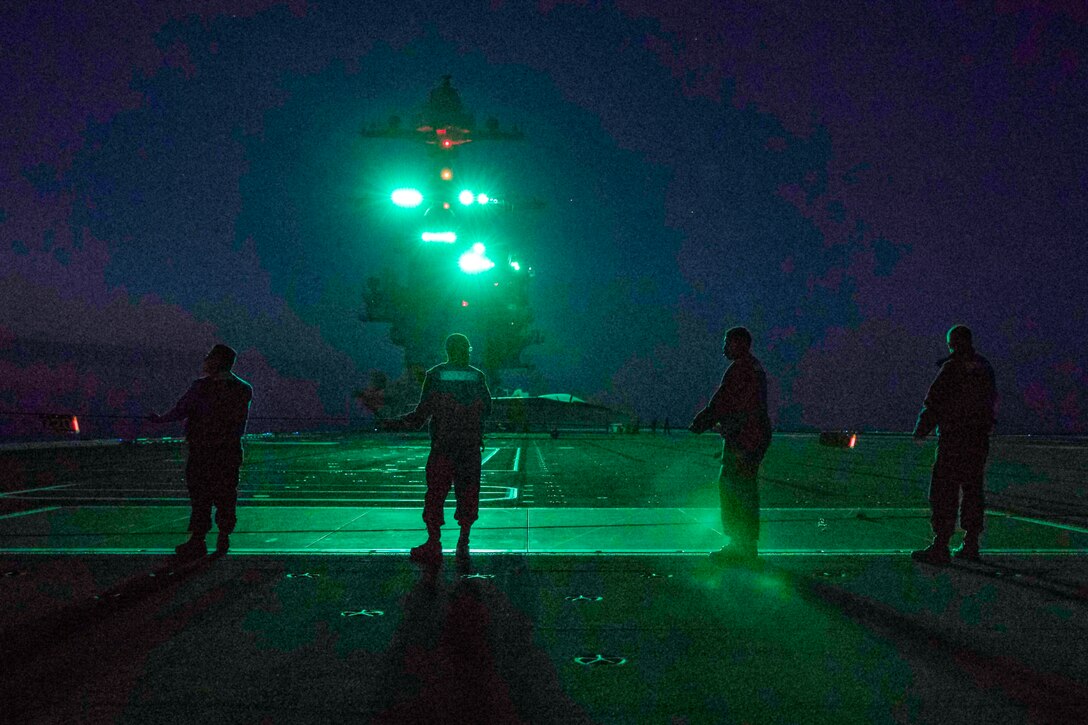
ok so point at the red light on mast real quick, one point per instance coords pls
(440, 131)
(464, 303)
(75, 424)
(447, 143)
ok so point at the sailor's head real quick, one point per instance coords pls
(738, 342)
(457, 349)
(959, 339)
(220, 359)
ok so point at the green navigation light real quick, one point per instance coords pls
(466, 197)
(444, 237)
(482, 199)
(407, 198)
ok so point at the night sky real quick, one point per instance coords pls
(847, 184)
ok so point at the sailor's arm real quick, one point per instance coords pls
(423, 410)
(180, 411)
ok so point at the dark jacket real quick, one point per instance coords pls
(740, 405)
(962, 400)
(215, 409)
(457, 401)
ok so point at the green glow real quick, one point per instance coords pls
(516, 266)
(466, 197)
(482, 199)
(474, 261)
(407, 198)
(445, 237)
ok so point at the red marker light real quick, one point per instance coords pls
(440, 131)
(446, 143)
(464, 303)
(838, 438)
(61, 422)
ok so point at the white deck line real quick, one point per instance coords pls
(30, 512)
(12, 494)
(1041, 522)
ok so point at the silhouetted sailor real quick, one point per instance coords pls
(215, 409)
(740, 407)
(961, 405)
(456, 400)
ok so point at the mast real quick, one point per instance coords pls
(454, 271)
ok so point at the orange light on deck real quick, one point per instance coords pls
(61, 422)
(839, 438)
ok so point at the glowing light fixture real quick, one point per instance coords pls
(444, 237)
(474, 261)
(466, 197)
(61, 423)
(482, 199)
(516, 266)
(407, 198)
(446, 174)
(839, 438)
